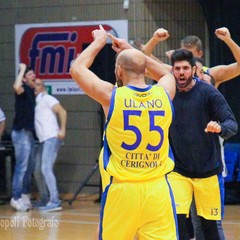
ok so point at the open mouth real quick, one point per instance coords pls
(181, 80)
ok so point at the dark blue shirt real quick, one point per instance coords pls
(197, 154)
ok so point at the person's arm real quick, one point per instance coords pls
(2, 128)
(2, 123)
(62, 116)
(17, 86)
(159, 35)
(155, 69)
(89, 82)
(160, 73)
(169, 53)
(224, 123)
(119, 44)
(222, 73)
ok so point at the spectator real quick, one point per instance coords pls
(48, 111)
(23, 138)
(201, 116)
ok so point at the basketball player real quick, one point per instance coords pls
(214, 75)
(201, 116)
(220, 73)
(136, 154)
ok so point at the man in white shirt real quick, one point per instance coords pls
(50, 133)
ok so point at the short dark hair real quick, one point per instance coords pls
(28, 68)
(192, 41)
(183, 55)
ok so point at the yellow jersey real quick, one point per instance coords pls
(136, 144)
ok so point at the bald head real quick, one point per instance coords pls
(132, 61)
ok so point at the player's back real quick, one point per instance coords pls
(136, 146)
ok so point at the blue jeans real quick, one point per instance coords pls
(23, 142)
(38, 176)
(44, 175)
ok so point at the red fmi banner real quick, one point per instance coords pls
(50, 48)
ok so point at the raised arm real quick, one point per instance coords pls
(156, 70)
(159, 72)
(89, 82)
(17, 86)
(222, 73)
(159, 35)
(119, 44)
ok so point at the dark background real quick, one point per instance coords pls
(222, 13)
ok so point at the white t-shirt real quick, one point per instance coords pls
(2, 116)
(46, 124)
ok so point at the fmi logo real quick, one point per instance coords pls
(50, 50)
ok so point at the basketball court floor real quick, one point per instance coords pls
(77, 222)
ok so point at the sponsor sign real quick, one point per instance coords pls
(50, 48)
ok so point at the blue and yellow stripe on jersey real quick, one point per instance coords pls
(136, 145)
(205, 69)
